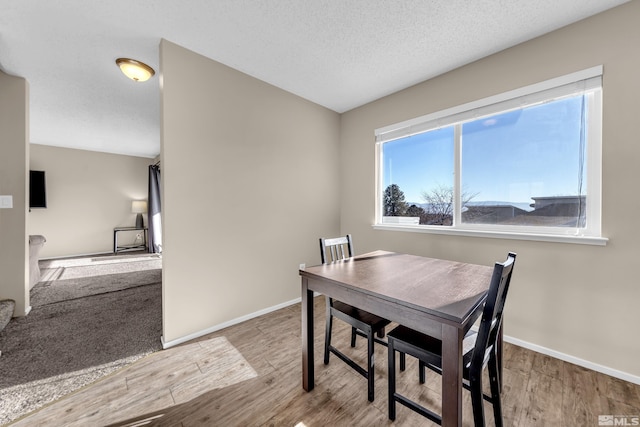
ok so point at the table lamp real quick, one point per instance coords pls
(139, 207)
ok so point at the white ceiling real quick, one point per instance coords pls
(338, 53)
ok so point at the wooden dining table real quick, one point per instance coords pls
(438, 297)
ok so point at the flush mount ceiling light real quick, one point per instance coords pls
(135, 70)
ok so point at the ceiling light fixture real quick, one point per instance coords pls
(135, 70)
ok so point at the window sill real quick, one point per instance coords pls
(556, 238)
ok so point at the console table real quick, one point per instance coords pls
(133, 247)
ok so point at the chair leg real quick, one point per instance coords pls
(370, 364)
(403, 361)
(495, 383)
(499, 349)
(421, 372)
(477, 399)
(327, 336)
(353, 336)
(391, 374)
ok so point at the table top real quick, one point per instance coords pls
(447, 289)
(128, 228)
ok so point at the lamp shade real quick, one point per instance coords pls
(139, 206)
(135, 70)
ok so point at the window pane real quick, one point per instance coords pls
(415, 168)
(526, 167)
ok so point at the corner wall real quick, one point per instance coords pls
(575, 300)
(14, 159)
(88, 194)
(250, 181)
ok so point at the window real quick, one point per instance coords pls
(524, 163)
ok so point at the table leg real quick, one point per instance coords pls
(307, 336)
(451, 376)
(115, 242)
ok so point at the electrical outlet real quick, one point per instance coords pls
(303, 266)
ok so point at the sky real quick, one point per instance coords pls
(509, 157)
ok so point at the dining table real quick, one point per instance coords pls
(441, 298)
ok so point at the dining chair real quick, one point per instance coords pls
(479, 349)
(362, 323)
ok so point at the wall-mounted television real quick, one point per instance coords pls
(37, 190)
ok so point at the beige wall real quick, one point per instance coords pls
(88, 194)
(574, 299)
(14, 158)
(250, 181)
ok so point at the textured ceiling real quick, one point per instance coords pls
(338, 53)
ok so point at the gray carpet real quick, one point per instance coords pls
(63, 280)
(88, 320)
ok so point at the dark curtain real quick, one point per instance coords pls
(154, 210)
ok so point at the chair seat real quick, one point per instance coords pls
(433, 346)
(376, 322)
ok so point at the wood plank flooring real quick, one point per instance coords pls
(538, 390)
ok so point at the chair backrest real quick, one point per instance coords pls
(492, 312)
(336, 249)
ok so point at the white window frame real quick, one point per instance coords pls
(587, 81)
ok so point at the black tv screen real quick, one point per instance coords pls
(37, 190)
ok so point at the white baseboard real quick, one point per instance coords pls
(172, 343)
(575, 360)
(75, 256)
(534, 347)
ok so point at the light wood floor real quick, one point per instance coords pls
(262, 386)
